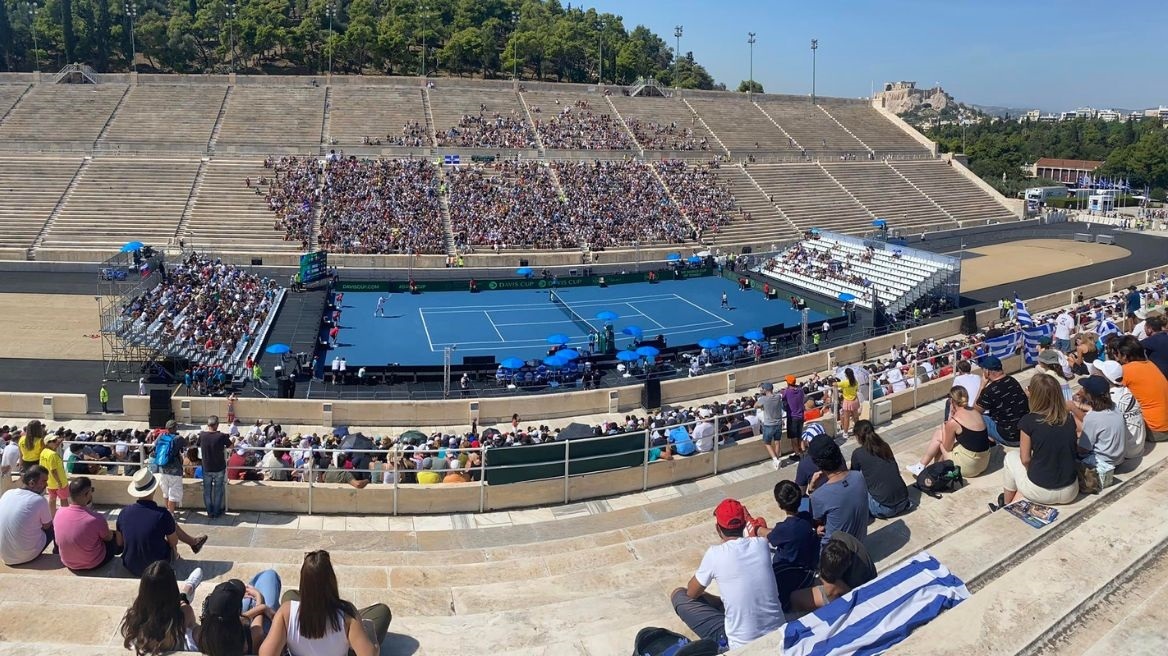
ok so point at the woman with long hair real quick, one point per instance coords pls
(236, 615)
(887, 493)
(963, 438)
(32, 443)
(160, 619)
(323, 624)
(1044, 468)
(1103, 433)
(849, 389)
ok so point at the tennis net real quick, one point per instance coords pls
(575, 316)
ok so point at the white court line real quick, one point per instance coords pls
(457, 309)
(702, 309)
(566, 320)
(492, 322)
(422, 316)
(494, 346)
(645, 315)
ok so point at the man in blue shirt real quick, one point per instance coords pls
(795, 542)
(149, 530)
(839, 496)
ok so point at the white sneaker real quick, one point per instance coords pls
(776, 462)
(915, 469)
(192, 582)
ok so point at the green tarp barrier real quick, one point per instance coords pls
(547, 460)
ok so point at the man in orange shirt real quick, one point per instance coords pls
(1147, 384)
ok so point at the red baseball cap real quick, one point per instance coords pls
(730, 514)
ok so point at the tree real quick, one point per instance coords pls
(752, 86)
(688, 74)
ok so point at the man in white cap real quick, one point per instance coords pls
(1122, 397)
(703, 434)
(149, 532)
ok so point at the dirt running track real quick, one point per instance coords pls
(50, 327)
(1000, 264)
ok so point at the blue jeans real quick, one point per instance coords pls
(267, 583)
(992, 430)
(877, 509)
(213, 492)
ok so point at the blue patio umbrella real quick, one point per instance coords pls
(512, 363)
(648, 351)
(132, 246)
(694, 259)
(634, 331)
(880, 223)
(607, 315)
(627, 356)
(568, 354)
(846, 297)
(558, 338)
(708, 342)
(754, 334)
(278, 349)
(524, 271)
(554, 361)
(673, 257)
(728, 340)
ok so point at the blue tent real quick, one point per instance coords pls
(512, 363)
(708, 342)
(648, 351)
(728, 340)
(278, 349)
(627, 356)
(607, 315)
(754, 334)
(558, 338)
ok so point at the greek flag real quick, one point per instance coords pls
(1107, 327)
(879, 614)
(1024, 318)
(1004, 346)
(1031, 337)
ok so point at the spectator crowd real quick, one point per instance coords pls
(580, 127)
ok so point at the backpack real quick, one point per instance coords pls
(939, 477)
(655, 641)
(164, 450)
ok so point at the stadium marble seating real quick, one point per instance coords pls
(226, 216)
(65, 116)
(888, 195)
(665, 111)
(766, 224)
(963, 199)
(164, 116)
(877, 132)
(29, 190)
(449, 105)
(9, 94)
(550, 104)
(581, 579)
(811, 128)
(740, 125)
(810, 198)
(117, 200)
(359, 112)
(272, 119)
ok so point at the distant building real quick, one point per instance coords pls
(1064, 170)
(1109, 115)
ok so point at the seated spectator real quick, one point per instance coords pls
(323, 624)
(1048, 364)
(149, 532)
(1146, 384)
(160, 619)
(1133, 417)
(796, 544)
(844, 566)
(813, 435)
(680, 442)
(455, 475)
(236, 616)
(1043, 468)
(26, 525)
(749, 607)
(887, 493)
(839, 497)
(703, 433)
(240, 466)
(341, 470)
(83, 537)
(32, 443)
(9, 461)
(963, 438)
(1155, 342)
(426, 474)
(1103, 431)
(275, 469)
(1002, 402)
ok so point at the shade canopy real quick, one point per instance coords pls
(648, 351)
(635, 331)
(524, 271)
(673, 257)
(512, 363)
(132, 246)
(708, 342)
(558, 338)
(607, 315)
(846, 297)
(754, 334)
(568, 354)
(278, 349)
(627, 356)
(728, 340)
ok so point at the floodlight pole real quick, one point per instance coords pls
(677, 32)
(814, 47)
(131, 13)
(230, 12)
(330, 10)
(514, 59)
(425, 12)
(33, 9)
(750, 85)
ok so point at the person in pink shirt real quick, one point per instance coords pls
(84, 538)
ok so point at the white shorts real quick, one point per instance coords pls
(172, 488)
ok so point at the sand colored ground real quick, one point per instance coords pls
(1019, 260)
(50, 326)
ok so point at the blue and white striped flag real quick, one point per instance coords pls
(1032, 335)
(879, 614)
(1004, 346)
(1023, 315)
(1107, 327)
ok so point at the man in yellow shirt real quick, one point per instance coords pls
(58, 480)
(427, 475)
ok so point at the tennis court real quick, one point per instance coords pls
(417, 328)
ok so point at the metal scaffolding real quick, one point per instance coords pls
(122, 279)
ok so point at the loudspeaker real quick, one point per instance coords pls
(747, 250)
(160, 399)
(284, 387)
(969, 322)
(523, 263)
(159, 417)
(257, 261)
(651, 394)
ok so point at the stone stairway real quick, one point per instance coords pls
(182, 228)
(430, 128)
(845, 128)
(531, 122)
(922, 192)
(110, 119)
(707, 127)
(790, 140)
(11, 107)
(326, 119)
(219, 120)
(444, 207)
(640, 147)
(845, 189)
(40, 238)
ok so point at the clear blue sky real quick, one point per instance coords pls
(1019, 53)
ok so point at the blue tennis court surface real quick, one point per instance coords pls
(416, 328)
